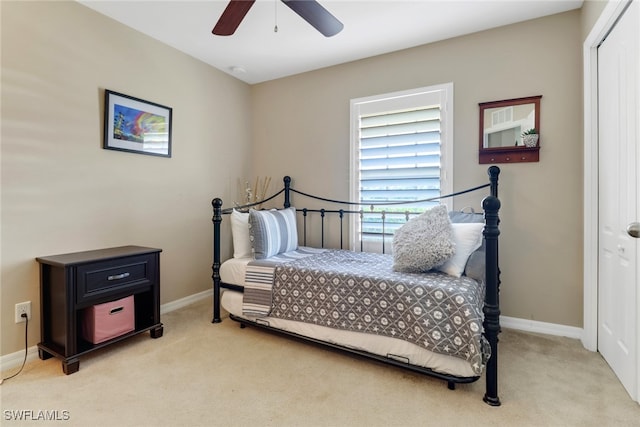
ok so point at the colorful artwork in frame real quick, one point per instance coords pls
(136, 126)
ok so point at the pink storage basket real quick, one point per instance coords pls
(102, 322)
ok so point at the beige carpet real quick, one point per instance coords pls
(201, 374)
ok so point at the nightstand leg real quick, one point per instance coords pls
(157, 332)
(43, 355)
(70, 366)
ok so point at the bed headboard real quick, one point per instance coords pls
(335, 212)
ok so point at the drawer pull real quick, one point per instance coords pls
(116, 310)
(118, 276)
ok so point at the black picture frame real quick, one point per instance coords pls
(136, 126)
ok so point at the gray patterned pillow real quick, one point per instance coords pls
(424, 242)
(273, 232)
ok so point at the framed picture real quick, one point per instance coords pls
(136, 126)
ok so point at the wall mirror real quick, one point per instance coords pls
(502, 125)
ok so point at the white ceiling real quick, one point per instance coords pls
(255, 53)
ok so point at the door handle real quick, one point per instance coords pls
(633, 229)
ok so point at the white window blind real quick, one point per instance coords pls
(399, 154)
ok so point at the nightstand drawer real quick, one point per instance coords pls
(104, 278)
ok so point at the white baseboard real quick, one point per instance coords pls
(541, 327)
(183, 302)
(14, 360)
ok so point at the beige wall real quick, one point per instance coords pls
(591, 10)
(307, 116)
(61, 192)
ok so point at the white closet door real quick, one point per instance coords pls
(619, 154)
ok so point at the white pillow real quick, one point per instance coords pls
(468, 238)
(240, 234)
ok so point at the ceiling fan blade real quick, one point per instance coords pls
(232, 16)
(316, 15)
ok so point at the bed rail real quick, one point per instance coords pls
(490, 206)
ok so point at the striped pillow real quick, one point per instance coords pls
(273, 232)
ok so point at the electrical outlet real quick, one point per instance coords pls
(23, 307)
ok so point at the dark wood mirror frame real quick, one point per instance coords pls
(513, 153)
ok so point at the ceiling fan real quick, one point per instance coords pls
(310, 10)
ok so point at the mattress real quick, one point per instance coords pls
(232, 271)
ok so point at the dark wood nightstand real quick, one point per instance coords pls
(69, 283)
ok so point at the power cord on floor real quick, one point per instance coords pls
(26, 329)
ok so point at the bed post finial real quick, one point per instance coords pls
(491, 309)
(217, 219)
(493, 172)
(287, 187)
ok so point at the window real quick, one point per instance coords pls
(502, 115)
(401, 149)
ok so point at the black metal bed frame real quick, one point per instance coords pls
(491, 308)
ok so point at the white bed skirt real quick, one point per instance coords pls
(232, 271)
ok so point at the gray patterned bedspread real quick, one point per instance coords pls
(360, 292)
(258, 280)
